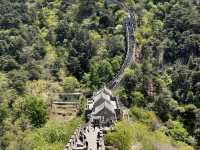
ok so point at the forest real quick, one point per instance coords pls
(55, 46)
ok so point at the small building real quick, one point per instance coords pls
(104, 113)
(104, 90)
(102, 108)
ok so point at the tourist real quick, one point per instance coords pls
(98, 135)
(98, 145)
(81, 138)
(86, 144)
(84, 136)
(94, 125)
(81, 133)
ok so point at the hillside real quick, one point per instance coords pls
(48, 47)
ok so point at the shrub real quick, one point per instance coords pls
(177, 131)
(138, 98)
(36, 110)
(144, 116)
(70, 83)
(82, 104)
(122, 138)
(53, 136)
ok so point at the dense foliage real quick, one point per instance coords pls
(138, 135)
(49, 47)
(53, 46)
(53, 136)
(165, 78)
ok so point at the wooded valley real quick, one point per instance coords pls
(49, 47)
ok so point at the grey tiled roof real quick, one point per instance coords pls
(101, 96)
(104, 105)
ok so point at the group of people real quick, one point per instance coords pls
(129, 26)
(87, 129)
(82, 137)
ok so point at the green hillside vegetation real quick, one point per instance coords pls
(165, 78)
(139, 135)
(53, 136)
(146, 132)
(56, 46)
(49, 47)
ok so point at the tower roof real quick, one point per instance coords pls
(107, 91)
(101, 96)
(105, 105)
(104, 90)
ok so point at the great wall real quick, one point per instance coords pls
(129, 25)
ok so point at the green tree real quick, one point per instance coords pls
(36, 110)
(18, 78)
(177, 131)
(13, 13)
(100, 73)
(138, 98)
(182, 23)
(4, 82)
(116, 61)
(80, 53)
(70, 84)
(82, 104)
(162, 106)
(94, 78)
(122, 138)
(105, 71)
(129, 80)
(116, 45)
(87, 8)
(3, 113)
(189, 117)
